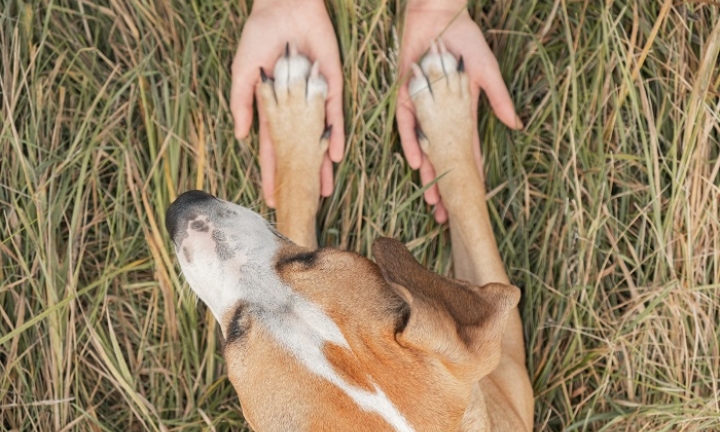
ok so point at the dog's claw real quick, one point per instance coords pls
(420, 134)
(461, 65)
(326, 133)
(263, 75)
(287, 49)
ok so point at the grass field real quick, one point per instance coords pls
(606, 205)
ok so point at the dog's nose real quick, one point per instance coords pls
(179, 210)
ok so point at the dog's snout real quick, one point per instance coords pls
(179, 210)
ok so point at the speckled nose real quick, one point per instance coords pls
(185, 207)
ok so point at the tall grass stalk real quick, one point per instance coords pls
(606, 206)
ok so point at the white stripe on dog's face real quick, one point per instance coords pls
(227, 254)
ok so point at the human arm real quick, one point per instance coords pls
(271, 25)
(426, 20)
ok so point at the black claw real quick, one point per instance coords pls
(461, 65)
(326, 133)
(419, 133)
(263, 75)
(287, 49)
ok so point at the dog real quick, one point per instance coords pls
(327, 340)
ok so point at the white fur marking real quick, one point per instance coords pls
(305, 333)
(316, 84)
(298, 325)
(290, 69)
(441, 64)
(418, 82)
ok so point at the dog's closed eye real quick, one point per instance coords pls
(306, 259)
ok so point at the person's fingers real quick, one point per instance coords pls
(406, 122)
(328, 56)
(427, 175)
(267, 158)
(493, 84)
(440, 213)
(242, 90)
(334, 114)
(410, 52)
(326, 177)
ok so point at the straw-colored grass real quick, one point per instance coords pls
(606, 206)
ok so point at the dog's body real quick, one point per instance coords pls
(328, 340)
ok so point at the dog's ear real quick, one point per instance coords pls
(462, 323)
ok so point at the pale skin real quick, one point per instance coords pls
(474, 249)
(273, 23)
(427, 20)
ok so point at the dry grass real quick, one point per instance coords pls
(606, 205)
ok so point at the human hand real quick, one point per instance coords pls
(427, 20)
(271, 25)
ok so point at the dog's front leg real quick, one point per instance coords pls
(294, 103)
(441, 93)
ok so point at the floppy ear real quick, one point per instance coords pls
(462, 323)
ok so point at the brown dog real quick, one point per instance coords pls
(324, 339)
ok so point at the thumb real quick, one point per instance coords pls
(498, 95)
(242, 90)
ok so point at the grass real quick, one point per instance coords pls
(606, 206)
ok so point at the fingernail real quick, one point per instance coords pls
(270, 201)
(416, 163)
(518, 123)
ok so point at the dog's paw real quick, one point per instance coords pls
(441, 93)
(294, 103)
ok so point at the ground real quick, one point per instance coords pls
(606, 205)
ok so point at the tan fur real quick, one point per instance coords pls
(299, 151)
(449, 354)
(265, 402)
(446, 119)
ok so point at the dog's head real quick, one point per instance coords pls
(328, 339)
